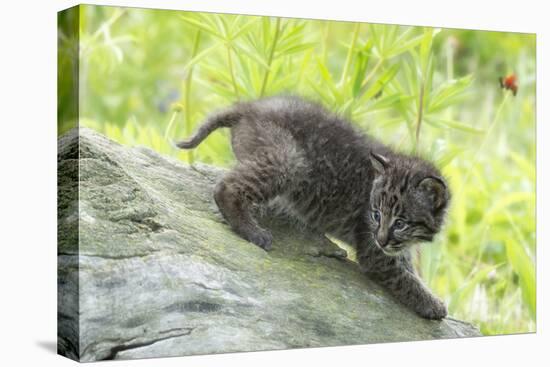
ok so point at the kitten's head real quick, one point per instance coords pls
(408, 202)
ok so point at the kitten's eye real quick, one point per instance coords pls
(399, 224)
(376, 216)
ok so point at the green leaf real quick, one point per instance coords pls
(235, 21)
(428, 81)
(410, 77)
(525, 269)
(209, 19)
(447, 157)
(201, 55)
(404, 47)
(202, 27)
(425, 47)
(503, 202)
(294, 49)
(328, 98)
(294, 34)
(345, 109)
(360, 68)
(244, 28)
(456, 125)
(448, 93)
(389, 101)
(251, 54)
(384, 79)
(222, 25)
(325, 73)
(527, 167)
(390, 35)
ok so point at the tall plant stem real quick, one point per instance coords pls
(271, 53)
(372, 72)
(171, 123)
(484, 141)
(419, 116)
(231, 71)
(345, 71)
(187, 94)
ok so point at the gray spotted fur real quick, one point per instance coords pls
(336, 181)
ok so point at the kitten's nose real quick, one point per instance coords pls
(382, 239)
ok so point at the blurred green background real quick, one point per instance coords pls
(148, 77)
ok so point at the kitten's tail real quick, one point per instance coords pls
(225, 118)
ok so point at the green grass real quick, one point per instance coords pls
(149, 77)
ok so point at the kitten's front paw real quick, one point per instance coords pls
(434, 310)
(264, 239)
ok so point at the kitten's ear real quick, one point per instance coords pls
(379, 162)
(435, 190)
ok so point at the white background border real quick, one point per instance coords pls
(28, 180)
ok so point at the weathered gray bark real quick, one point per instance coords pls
(151, 270)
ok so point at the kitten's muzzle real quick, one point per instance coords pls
(382, 240)
(390, 250)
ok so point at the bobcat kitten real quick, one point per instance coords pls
(337, 181)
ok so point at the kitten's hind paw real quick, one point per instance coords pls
(315, 251)
(435, 310)
(327, 248)
(263, 239)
